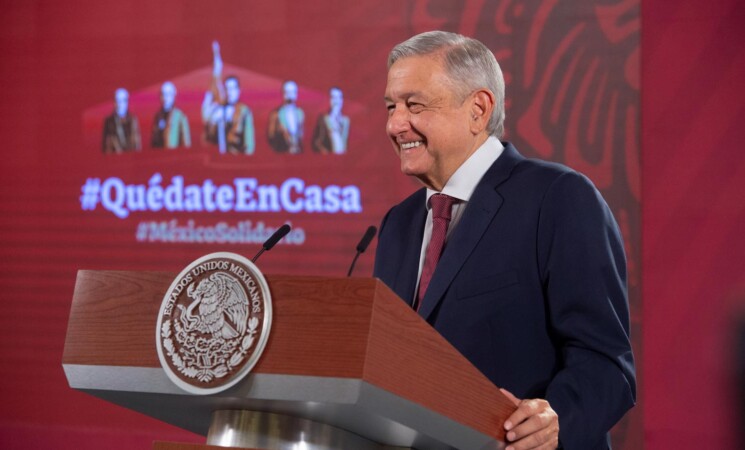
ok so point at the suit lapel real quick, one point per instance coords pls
(406, 277)
(479, 214)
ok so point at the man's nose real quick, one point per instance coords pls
(398, 121)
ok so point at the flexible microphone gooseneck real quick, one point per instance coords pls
(362, 246)
(273, 239)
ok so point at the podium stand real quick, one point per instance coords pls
(346, 359)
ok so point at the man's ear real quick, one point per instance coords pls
(482, 105)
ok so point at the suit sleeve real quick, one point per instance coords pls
(583, 271)
(380, 252)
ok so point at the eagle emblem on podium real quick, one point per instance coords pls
(214, 322)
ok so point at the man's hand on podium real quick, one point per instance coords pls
(534, 425)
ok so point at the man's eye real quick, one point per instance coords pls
(416, 107)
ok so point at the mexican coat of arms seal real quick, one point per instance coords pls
(214, 322)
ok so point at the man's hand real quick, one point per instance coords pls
(534, 425)
(216, 60)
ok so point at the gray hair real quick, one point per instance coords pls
(468, 63)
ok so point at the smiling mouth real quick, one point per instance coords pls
(410, 145)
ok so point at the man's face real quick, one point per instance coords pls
(336, 99)
(289, 92)
(232, 90)
(121, 98)
(168, 96)
(428, 125)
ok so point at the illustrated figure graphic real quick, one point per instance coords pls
(228, 122)
(285, 130)
(331, 132)
(121, 129)
(170, 124)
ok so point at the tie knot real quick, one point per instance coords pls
(441, 206)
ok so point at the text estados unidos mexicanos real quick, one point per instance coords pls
(244, 195)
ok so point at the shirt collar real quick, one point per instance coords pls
(463, 182)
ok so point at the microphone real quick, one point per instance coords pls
(273, 239)
(362, 246)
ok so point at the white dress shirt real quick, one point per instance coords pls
(461, 186)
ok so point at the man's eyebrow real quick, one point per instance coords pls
(403, 95)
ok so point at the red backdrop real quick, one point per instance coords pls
(574, 87)
(693, 209)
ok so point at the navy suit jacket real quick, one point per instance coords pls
(531, 288)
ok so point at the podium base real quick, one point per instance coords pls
(163, 445)
(261, 430)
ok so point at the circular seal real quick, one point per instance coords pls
(213, 323)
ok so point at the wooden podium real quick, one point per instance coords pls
(344, 355)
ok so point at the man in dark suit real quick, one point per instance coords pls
(530, 282)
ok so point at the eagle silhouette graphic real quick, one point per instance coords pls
(223, 307)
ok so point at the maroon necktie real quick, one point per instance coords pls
(441, 206)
